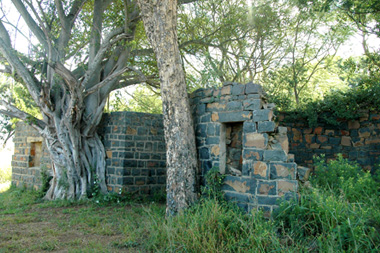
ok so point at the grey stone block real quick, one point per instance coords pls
(234, 116)
(234, 106)
(275, 155)
(236, 197)
(262, 115)
(249, 127)
(283, 171)
(237, 89)
(252, 104)
(239, 184)
(266, 126)
(251, 88)
(267, 200)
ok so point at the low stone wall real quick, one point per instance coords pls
(30, 155)
(135, 149)
(136, 152)
(357, 140)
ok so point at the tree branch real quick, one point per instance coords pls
(30, 22)
(13, 112)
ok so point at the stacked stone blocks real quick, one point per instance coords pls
(136, 153)
(267, 173)
(24, 172)
(358, 140)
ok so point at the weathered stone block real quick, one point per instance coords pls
(364, 132)
(234, 106)
(260, 170)
(249, 127)
(286, 186)
(267, 200)
(297, 134)
(267, 188)
(237, 89)
(303, 173)
(251, 88)
(216, 106)
(353, 124)
(266, 126)
(346, 141)
(226, 90)
(239, 184)
(253, 154)
(255, 140)
(283, 171)
(233, 116)
(204, 153)
(262, 115)
(275, 155)
(236, 197)
(252, 104)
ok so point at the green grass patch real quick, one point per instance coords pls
(341, 214)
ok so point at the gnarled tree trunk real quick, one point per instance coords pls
(160, 21)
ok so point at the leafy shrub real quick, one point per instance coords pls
(214, 183)
(345, 177)
(5, 174)
(338, 105)
(341, 215)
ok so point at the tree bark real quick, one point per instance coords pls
(160, 22)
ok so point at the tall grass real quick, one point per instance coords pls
(340, 214)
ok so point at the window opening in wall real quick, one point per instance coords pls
(35, 154)
(231, 148)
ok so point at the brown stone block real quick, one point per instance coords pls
(130, 131)
(297, 135)
(267, 188)
(215, 150)
(329, 132)
(309, 138)
(216, 105)
(215, 117)
(372, 141)
(353, 124)
(260, 169)
(284, 142)
(315, 145)
(344, 132)
(322, 138)
(346, 141)
(109, 153)
(326, 147)
(256, 140)
(226, 90)
(359, 143)
(318, 130)
(307, 130)
(286, 186)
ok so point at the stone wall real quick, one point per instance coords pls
(236, 134)
(135, 149)
(30, 155)
(136, 153)
(357, 140)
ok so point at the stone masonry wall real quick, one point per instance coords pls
(25, 169)
(136, 153)
(357, 140)
(135, 149)
(261, 172)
